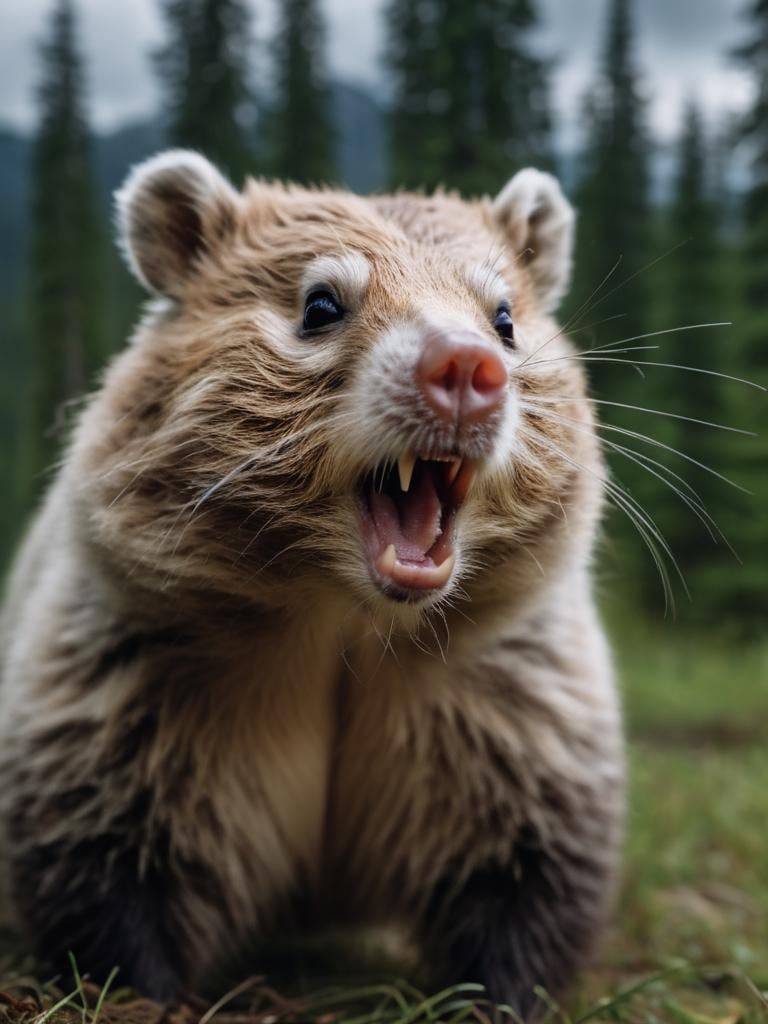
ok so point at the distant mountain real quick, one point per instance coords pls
(361, 156)
(361, 139)
(116, 152)
(360, 142)
(361, 149)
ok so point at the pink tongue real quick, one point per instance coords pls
(412, 523)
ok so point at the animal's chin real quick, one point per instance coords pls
(407, 518)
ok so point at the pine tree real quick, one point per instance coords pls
(744, 594)
(471, 99)
(695, 295)
(299, 125)
(409, 54)
(613, 287)
(205, 75)
(66, 250)
(614, 190)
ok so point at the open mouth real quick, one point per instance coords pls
(408, 512)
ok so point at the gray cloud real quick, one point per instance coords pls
(115, 38)
(683, 51)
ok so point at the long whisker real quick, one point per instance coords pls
(659, 334)
(254, 539)
(606, 295)
(592, 326)
(695, 503)
(641, 520)
(587, 358)
(583, 428)
(693, 499)
(262, 454)
(247, 463)
(585, 352)
(585, 306)
(431, 625)
(571, 331)
(651, 536)
(640, 408)
(611, 485)
(642, 270)
(699, 369)
(615, 351)
(612, 346)
(453, 604)
(583, 309)
(193, 507)
(675, 451)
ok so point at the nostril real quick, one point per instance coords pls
(446, 376)
(461, 377)
(490, 375)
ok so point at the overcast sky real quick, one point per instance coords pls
(683, 50)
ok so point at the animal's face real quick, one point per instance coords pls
(347, 389)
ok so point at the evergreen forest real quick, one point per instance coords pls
(670, 298)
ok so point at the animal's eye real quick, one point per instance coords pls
(505, 328)
(320, 310)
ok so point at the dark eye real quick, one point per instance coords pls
(320, 310)
(504, 325)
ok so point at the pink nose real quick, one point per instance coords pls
(462, 377)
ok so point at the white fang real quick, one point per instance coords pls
(405, 466)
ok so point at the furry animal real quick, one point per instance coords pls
(304, 631)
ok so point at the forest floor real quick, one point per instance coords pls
(690, 940)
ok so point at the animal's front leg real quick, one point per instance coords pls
(111, 838)
(483, 801)
(513, 927)
(95, 901)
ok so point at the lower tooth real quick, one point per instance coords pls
(386, 562)
(446, 567)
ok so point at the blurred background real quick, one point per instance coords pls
(655, 116)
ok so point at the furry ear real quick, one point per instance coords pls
(539, 222)
(172, 209)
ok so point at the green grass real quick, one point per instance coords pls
(695, 883)
(673, 678)
(690, 940)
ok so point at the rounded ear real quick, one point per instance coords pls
(172, 209)
(539, 223)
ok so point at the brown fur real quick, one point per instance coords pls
(198, 666)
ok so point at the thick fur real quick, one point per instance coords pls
(212, 724)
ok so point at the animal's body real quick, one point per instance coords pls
(260, 668)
